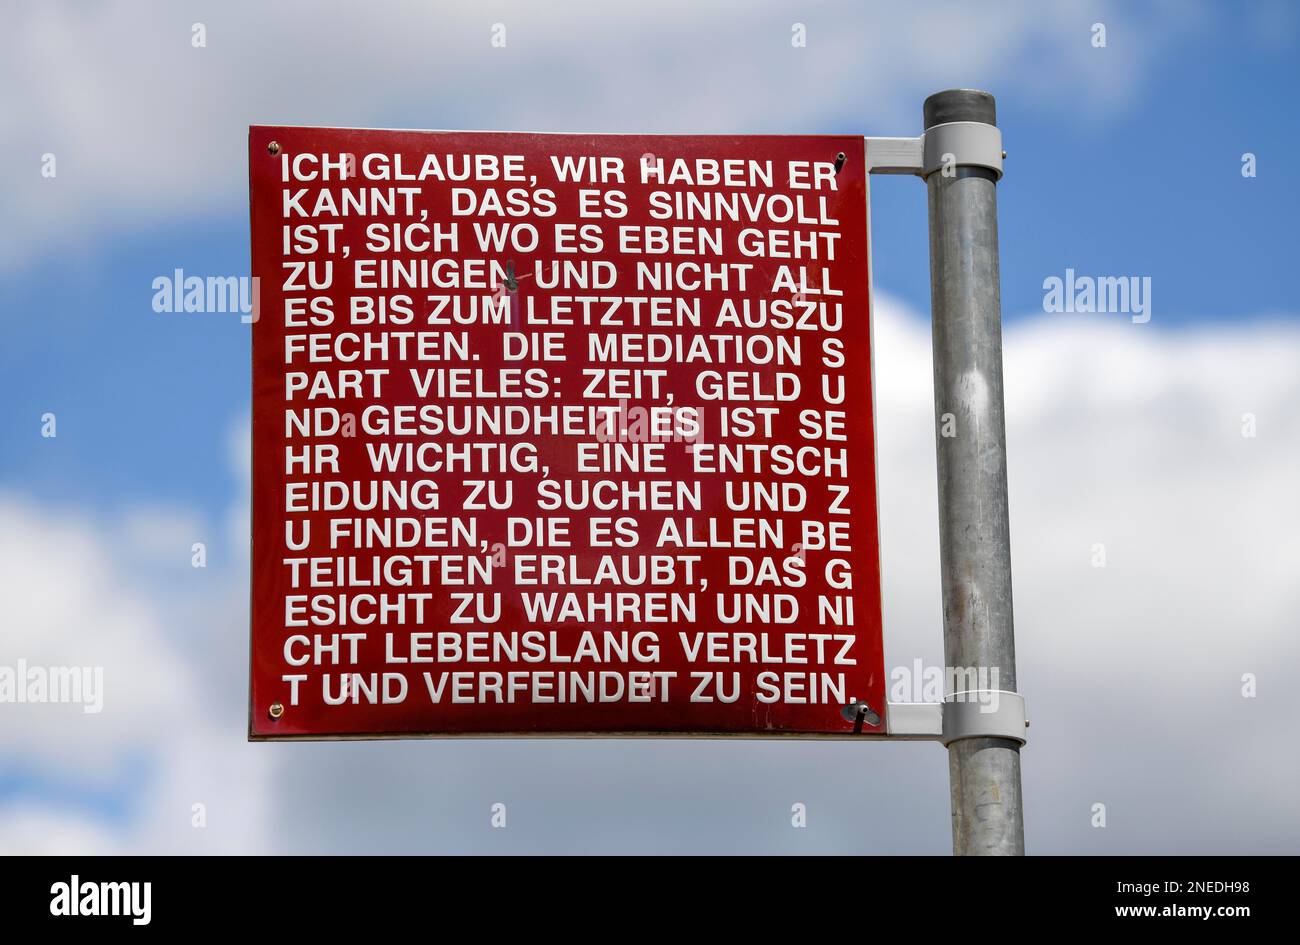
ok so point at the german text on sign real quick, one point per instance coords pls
(561, 433)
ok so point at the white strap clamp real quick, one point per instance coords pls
(984, 713)
(955, 144)
(976, 713)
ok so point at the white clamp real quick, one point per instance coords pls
(984, 713)
(962, 144)
(955, 144)
(978, 713)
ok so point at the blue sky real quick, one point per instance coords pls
(1124, 160)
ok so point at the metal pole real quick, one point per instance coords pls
(971, 444)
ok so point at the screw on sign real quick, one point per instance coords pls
(562, 433)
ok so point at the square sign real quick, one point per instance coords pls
(559, 433)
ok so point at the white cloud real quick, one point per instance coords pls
(149, 131)
(67, 604)
(1130, 437)
(163, 535)
(38, 830)
(76, 594)
(1118, 434)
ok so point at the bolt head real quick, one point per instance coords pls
(854, 709)
(273, 147)
(276, 710)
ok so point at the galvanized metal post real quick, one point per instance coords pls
(971, 443)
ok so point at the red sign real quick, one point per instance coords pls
(561, 433)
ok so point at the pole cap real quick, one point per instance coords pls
(960, 105)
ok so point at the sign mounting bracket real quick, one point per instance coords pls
(896, 155)
(953, 144)
(982, 713)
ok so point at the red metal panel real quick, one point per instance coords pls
(765, 675)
